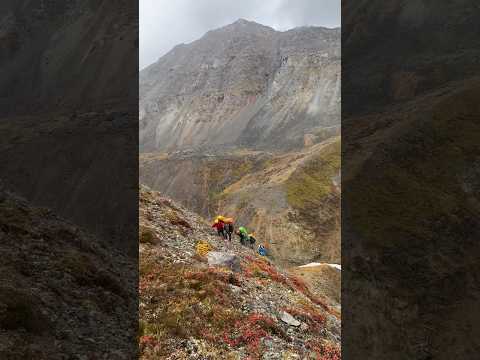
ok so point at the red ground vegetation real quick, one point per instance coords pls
(257, 267)
(324, 351)
(250, 331)
(309, 315)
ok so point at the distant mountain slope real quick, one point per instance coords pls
(244, 84)
(191, 309)
(292, 201)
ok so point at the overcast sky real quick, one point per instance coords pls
(166, 23)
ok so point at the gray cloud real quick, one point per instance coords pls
(166, 23)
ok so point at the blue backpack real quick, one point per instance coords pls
(262, 251)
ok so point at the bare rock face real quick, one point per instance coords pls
(244, 84)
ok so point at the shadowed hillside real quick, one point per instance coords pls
(63, 293)
(68, 103)
(410, 211)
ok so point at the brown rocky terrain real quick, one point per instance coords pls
(68, 75)
(423, 207)
(192, 308)
(93, 188)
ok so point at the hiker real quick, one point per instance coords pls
(243, 234)
(229, 228)
(262, 251)
(252, 240)
(219, 225)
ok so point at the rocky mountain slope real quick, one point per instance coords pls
(243, 308)
(245, 122)
(63, 294)
(244, 84)
(291, 201)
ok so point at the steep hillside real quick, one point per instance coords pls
(293, 204)
(408, 222)
(63, 294)
(410, 217)
(292, 201)
(244, 84)
(191, 308)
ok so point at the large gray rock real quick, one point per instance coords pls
(289, 319)
(220, 258)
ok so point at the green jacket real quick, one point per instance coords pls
(243, 231)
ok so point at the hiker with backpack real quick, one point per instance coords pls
(229, 228)
(220, 226)
(251, 240)
(262, 251)
(243, 234)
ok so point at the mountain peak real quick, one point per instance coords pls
(247, 24)
(243, 21)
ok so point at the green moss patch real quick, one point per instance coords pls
(311, 183)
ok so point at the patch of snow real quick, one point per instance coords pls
(336, 266)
